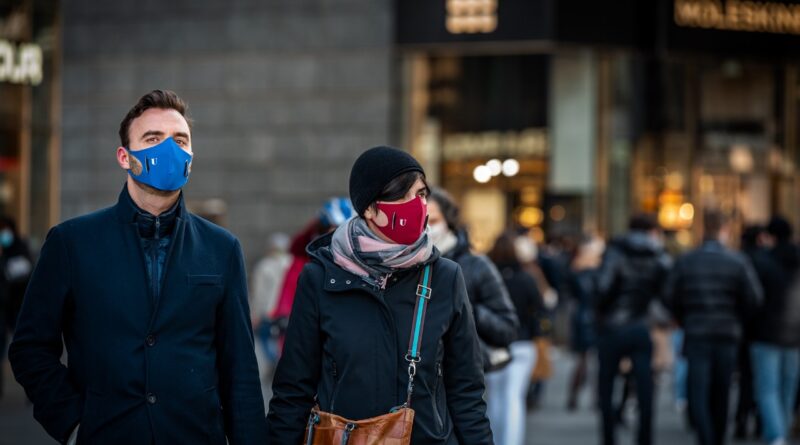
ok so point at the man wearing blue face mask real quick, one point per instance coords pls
(151, 303)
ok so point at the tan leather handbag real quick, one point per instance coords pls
(393, 428)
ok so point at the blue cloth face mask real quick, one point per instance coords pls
(165, 166)
(6, 238)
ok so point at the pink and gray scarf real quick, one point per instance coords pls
(358, 250)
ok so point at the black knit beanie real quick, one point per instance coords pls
(374, 170)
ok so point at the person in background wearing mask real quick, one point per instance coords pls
(16, 264)
(266, 284)
(711, 291)
(495, 316)
(630, 277)
(530, 258)
(333, 213)
(775, 351)
(508, 387)
(349, 346)
(151, 302)
(581, 282)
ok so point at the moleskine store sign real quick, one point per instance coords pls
(768, 28)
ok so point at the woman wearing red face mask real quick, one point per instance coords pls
(376, 305)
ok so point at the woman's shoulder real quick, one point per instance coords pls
(446, 267)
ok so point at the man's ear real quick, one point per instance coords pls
(128, 162)
(123, 158)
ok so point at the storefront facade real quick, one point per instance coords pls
(29, 114)
(608, 108)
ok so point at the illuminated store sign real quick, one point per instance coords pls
(531, 142)
(471, 16)
(736, 15)
(21, 63)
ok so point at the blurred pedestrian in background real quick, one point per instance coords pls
(711, 291)
(547, 269)
(333, 213)
(631, 276)
(581, 285)
(775, 351)
(508, 387)
(495, 315)
(151, 303)
(754, 247)
(16, 265)
(266, 284)
(347, 346)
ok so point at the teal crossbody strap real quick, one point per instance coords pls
(415, 342)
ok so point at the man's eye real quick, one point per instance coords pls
(152, 139)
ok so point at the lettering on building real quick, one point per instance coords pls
(737, 15)
(21, 63)
(471, 16)
(528, 143)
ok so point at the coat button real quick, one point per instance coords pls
(333, 281)
(150, 340)
(151, 398)
(348, 281)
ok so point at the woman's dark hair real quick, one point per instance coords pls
(448, 206)
(397, 188)
(644, 222)
(503, 252)
(780, 228)
(750, 236)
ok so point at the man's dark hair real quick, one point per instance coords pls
(448, 206)
(164, 99)
(644, 222)
(713, 222)
(780, 228)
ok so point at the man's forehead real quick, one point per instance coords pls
(159, 119)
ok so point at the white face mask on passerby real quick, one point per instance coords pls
(441, 235)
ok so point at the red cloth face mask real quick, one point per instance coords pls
(406, 220)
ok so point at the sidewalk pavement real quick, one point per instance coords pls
(552, 424)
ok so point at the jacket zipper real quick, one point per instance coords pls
(439, 373)
(335, 385)
(154, 266)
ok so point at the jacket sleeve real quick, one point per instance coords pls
(495, 316)
(298, 373)
(239, 383)
(463, 372)
(752, 294)
(671, 293)
(607, 278)
(35, 353)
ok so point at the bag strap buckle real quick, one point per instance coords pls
(424, 291)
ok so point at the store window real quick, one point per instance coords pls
(479, 123)
(29, 113)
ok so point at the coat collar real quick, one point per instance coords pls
(128, 212)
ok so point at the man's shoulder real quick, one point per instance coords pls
(88, 223)
(208, 230)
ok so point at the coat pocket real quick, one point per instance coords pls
(204, 280)
(435, 398)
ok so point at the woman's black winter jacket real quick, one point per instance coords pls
(346, 343)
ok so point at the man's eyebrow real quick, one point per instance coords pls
(151, 133)
(181, 134)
